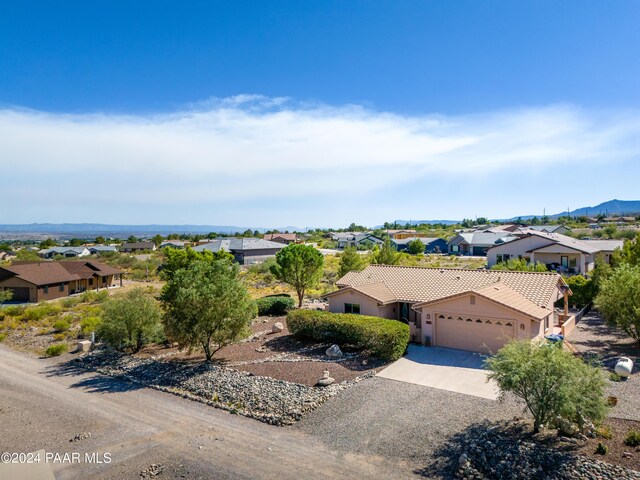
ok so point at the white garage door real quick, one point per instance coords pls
(475, 334)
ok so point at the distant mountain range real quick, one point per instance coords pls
(612, 207)
(86, 230)
(89, 230)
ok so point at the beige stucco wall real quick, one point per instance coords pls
(470, 333)
(515, 248)
(368, 306)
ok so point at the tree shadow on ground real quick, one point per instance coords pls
(446, 459)
(96, 383)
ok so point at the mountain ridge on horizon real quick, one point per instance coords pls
(611, 207)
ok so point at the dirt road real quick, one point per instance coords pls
(44, 406)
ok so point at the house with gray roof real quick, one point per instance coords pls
(478, 242)
(67, 252)
(245, 251)
(361, 239)
(431, 244)
(550, 229)
(558, 252)
(98, 249)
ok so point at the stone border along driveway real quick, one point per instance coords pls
(266, 399)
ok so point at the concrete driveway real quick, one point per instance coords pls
(443, 368)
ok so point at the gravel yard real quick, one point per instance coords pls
(263, 398)
(594, 339)
(400, 420)
(280, 356)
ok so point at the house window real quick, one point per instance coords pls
(455, 248)
(502, 257)
(564, 261)
(91, 281)
(61, 287)
(352, 308)
(45, 289)
(472, 299)
(573, 263)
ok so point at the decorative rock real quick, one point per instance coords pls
(627, 454)
(277, 327)
(624, 367)
(326, 380)
(334, 352)
(83, 346)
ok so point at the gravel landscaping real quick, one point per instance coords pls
(597, 341)
(272, 401)
(503, 452)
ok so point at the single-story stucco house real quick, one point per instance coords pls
(475, 310)
(65, 252)
(556, 251)
(431, 244)
(478, 242)
(38, 281)
(285, 238)
(98, 249)
(246, 251)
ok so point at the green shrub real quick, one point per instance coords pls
(275, 304)
(633, 438)
(604, 431)
(15, 310)
(2, 337)
(385, 339)
(55, 350)
(70, 302)
(61, 326)
(58, 337)
(583, 290)
(88, 325)
(602, 449)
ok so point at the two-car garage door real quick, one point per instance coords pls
(20, 294)
(475, 334)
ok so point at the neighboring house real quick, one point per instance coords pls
(6, 256)
(67, 252)
(357, 239)
(401, 234)
(137, 247)
(556, 251)
(246, 251)
(179, 244)
(431, 244)
(476, 310)
(478, 242)
(98, 249)
(38, 281)
(285, 238)
(549, 229)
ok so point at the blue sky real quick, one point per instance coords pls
(306, 113)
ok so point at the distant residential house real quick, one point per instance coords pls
(5, 256)
(405, 233)
(431, 244)
(619, 220)
(285, 238)
(179, 244)
(478, 242)
(38, 281)
(246, 251)
(67, 252)
(137, 247)
(550, 229)
(357, 239)
(98, 249)
(556, 251)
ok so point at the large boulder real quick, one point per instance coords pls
(334, 352)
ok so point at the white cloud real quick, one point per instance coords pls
(252, 147)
